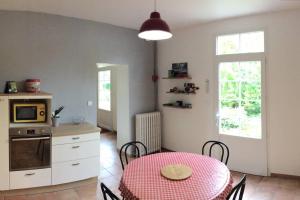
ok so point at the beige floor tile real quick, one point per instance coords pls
(89, 192)
(70, 194)
(104, 173)
(23, 197)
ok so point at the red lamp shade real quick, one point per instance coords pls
(155, 28)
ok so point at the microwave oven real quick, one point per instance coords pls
(29, 112)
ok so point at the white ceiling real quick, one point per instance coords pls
(131, 13)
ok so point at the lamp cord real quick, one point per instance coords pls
(155, 5)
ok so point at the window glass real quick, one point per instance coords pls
(104, 98)
(252, 42)
(240, 99)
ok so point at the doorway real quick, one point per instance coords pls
(107, 94)
(241, 116)
(113, 100)
(240, 100)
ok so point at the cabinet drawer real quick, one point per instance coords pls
(75, 138)
(76, 151)
(30, 178)
(75, 170)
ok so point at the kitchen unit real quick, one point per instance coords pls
(33, 154)
(75, 152)
(29, 157)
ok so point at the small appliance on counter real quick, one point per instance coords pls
(31, 111)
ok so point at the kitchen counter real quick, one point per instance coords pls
(68, 129)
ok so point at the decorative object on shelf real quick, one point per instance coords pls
(171, 73)
(155, 28)
(174, 90)
(32, 85)
(179, 70)
(189, 88)
(11, 87)
(55, 117)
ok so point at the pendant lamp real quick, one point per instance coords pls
(155, 28)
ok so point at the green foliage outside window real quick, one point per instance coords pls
(240, 94)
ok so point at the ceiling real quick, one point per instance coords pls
(131, 13)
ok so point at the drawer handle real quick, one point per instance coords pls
(30, 174)
(75, 147)
(75, 164)
(76, 138)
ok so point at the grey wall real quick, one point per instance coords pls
(63, 53)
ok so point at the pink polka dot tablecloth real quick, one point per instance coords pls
(211, 179)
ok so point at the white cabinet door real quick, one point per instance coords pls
(75, 170)
(76, 151)
(75, 138)
(30, 178)
(4, 148)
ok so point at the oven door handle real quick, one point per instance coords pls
(29, 139)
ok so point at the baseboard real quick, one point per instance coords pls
(284, 176)
(166, 150)
(105, 126)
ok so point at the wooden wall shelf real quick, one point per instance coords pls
(178, 107)
(184, 93)
(182, 78)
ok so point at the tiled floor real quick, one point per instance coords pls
(257, 188)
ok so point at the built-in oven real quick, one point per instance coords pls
(30, 148)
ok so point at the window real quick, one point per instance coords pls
(240, 84)
(240, 98)
(252, 42)
(104, 97)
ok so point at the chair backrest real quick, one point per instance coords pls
(222, 146)
(135, 145)
(108, 193)
(238, 190)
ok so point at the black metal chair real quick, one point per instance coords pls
(223, 147)
(135, 145)
(238, 190)
(108, 193)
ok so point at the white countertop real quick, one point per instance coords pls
(73, 129)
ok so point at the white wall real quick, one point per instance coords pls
(123, 107)
(108, 119)
(186, 130)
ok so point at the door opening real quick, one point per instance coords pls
(113, 100)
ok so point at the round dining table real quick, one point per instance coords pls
(142, 178)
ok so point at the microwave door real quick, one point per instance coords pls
(25, 113)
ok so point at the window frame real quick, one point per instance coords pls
(239, 34)
(98, 89)
(241, 57)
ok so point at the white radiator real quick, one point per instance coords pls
(148, 130)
